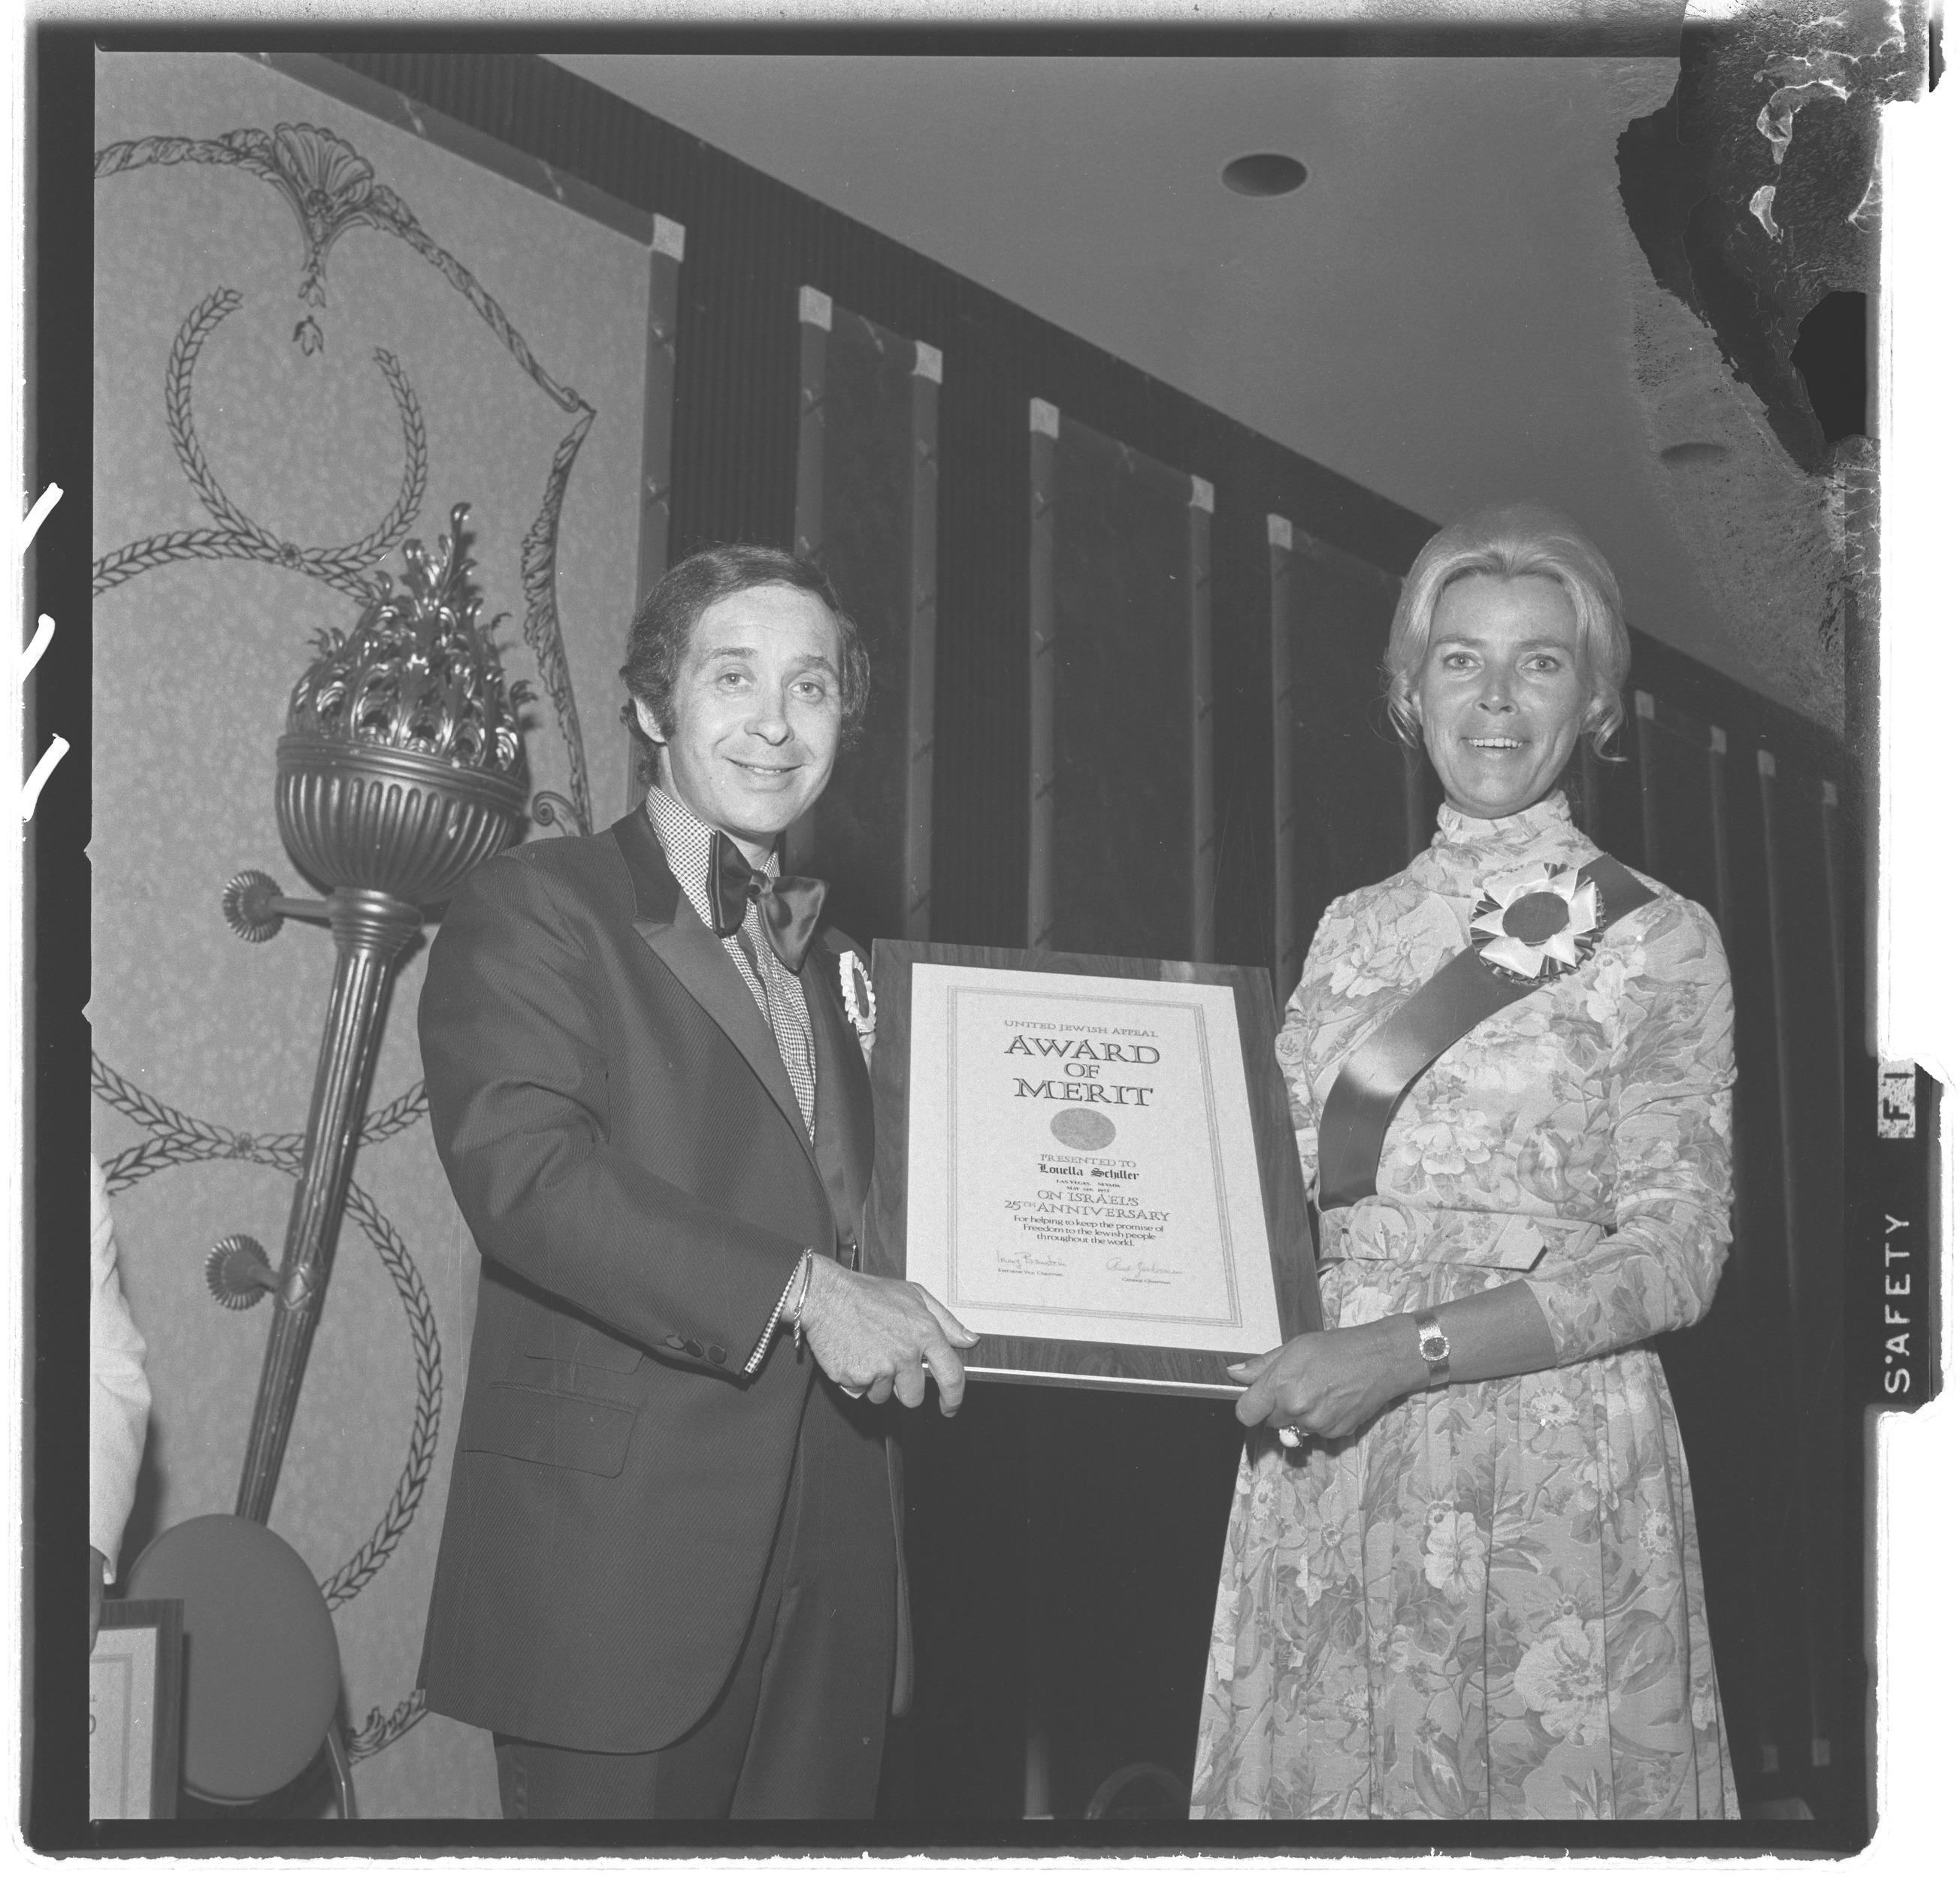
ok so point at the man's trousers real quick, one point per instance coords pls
(797, 1729)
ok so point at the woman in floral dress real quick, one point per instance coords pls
(1470, 1587)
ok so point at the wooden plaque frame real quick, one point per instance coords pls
(1288, 1235)
(152, 1786)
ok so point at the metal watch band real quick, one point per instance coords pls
(1434, 1345)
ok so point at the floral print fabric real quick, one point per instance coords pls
(1488, 1604)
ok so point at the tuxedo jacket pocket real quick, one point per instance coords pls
(551, 1427)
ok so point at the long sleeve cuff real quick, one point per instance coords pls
(762, 1349)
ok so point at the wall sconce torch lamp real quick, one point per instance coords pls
(401, 768)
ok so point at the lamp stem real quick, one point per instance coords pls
(369, 930)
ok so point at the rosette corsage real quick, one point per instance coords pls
(860, 1002)
(1539, 923)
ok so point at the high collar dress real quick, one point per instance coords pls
(1487, 1603)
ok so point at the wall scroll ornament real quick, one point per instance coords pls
(331, 188)
(238, 536)
(401, 769)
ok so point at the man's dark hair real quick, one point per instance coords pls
(657, 640)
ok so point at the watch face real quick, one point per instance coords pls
(1434, 1345)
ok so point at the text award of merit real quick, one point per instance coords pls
(1098, 1174)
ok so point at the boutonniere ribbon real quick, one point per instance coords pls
(1537, 924)
(860, 1002)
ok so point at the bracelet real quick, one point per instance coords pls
(806, 1265)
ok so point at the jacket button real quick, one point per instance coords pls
(692, 1348)
(676, 1344)
(716, 1355)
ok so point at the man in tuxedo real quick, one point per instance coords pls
(670, 1580)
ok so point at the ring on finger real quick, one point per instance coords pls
(1291, 1434)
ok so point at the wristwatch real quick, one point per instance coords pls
(1434, 1346)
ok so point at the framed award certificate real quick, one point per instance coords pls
(1090, 1162)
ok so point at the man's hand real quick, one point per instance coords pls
(879, 1336)
(1329, 1383)
(97, 1565)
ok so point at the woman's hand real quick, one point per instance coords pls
(1328, 1383)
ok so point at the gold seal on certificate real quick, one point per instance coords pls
(1083, 1176)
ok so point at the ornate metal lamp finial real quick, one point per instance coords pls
(401, 768)
(418, 673)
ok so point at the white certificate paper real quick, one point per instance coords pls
(1081, 1163)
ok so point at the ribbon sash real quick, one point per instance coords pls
(1384, 1067)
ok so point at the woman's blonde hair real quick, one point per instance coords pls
(1512, 540)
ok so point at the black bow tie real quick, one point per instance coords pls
(789, 904)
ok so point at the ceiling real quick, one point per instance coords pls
(1451, 311)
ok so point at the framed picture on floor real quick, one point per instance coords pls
(135, 1709)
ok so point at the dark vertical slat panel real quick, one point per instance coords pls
(1783, 970)
(858, 509)
(1204, 834)
(1044, 424)
(1710, 1366)
(1768, 1766)
(812, 351)
(1644, 732)
(980, 817)
(1350, 782)
(1612, 788)
(1578, 785)
(1125, 775)
(1724, 905)
(928, 366)
(1289, 949)
(1042, 1627)
(800, 842)
(1677, 809)
(1813, 1129)
(1425, 796)
(1735, 1488)
(664, 268)
(1418, 812)
(1832, 853)
(1242, 749)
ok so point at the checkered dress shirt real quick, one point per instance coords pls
(777, 991)
(688, 842)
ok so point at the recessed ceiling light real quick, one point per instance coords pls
(1264, 173)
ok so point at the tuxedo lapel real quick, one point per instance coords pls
(664, 918)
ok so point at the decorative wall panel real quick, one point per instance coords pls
(315, 331)
(1343, 784)
(1121, 856)
(867, 508)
